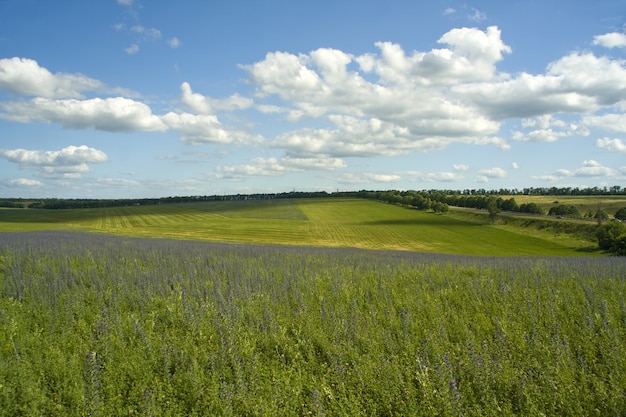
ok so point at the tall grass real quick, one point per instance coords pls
(106, 326)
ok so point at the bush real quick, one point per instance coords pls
(621, 214)
(608, 235)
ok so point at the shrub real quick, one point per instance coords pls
(608, 234)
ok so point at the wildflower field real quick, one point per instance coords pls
(109, 326)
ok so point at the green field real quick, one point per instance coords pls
(330, 222)
(100, 325)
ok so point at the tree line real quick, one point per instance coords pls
(425, 199)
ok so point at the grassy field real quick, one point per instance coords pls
(584, 203)
(312, 222)
(98, 325)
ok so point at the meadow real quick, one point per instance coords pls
(327, 222)
(101, 325)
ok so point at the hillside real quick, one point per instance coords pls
(337, 222)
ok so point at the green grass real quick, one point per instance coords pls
(584, 203)
(111, 326)
(311, 222)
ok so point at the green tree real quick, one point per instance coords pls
(621, 214)
(608, 235)
(510, 205)
(492, 207)
(440, 207)
(532, 208)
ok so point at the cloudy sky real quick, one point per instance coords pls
(138, 98)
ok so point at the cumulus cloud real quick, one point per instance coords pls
(115, 114)
(461, 167)
(547, 128)
(25, 77)
(258, 166)
(23, 182)
(610, 40)
(611, 145)
(206, 105)
(367, 177)
(435, 176)
(576, 83)
(589, 169)
(407, 99)
(612, 122)
(278, 166)
(493, 172)
(69, 162)
(201, 129)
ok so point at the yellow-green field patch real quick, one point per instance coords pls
(334, 222)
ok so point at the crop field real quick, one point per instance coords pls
(329, 222)
(584, 203)
(101, 325)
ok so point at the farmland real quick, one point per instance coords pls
(289, 308)
(104, 326)
(336, 222)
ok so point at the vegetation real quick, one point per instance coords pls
(612, 237)
(109, 326)
(338, 222)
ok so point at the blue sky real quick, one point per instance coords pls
(137, 98)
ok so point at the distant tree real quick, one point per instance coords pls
(509, 205)
(492, 207)
(440, 207)
(564, 210)
(621, 214)
(531, 208)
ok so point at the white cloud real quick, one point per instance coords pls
(435, 176)
(132, 49)
(259, 166)
(610, 40)
(366, 178)
(408, 108)
(461, 167)
(476, 15)
(576, 83)
(148, 33)
(612, 122)
(111, 114)
(24, 76)
(200, 129)
(174, 42)
(313, 162)
(612, 145)
(207, 105)
(449, 10)
(493, 172)
(549, 129)
(589, 168)
(514, 165)
(279, 166)
(23, 182)
(69, 162)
